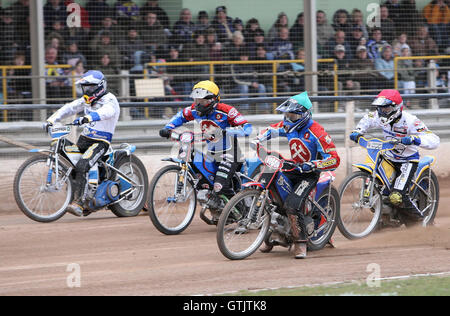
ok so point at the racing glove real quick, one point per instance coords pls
(46, 126)
(307, 167)
(355, 136)
(165, 133)
(80, 120)
(410, 140)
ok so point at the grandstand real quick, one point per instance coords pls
(249, 49)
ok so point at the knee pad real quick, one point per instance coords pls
(396, 198)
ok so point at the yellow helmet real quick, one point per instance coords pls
(207, 90)
(204, 89)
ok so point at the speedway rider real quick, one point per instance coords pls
(218, 122)
(101, 113)
(313, 151)
(412, 133)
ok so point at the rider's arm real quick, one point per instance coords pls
(108, 110)
(326, 148)
(273, 131)
(180, 118)
(235, 119)
(367, 122)
(243, 130)
(68, 109)
(427, 139)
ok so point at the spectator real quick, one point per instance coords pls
(197, 50)
(422, 44)
(296, 31)
(246, 81)
(202, 21)
(73, 55)
(110, 73)
(232, 49)
(78, 72)
(250, 30)
(338, 39)
(437, 14)
(21, 17)
(261, 54)
(408, 8)
(59, 30)
(19, 88)
(183, 28)
(153, 6)
(223, 25)
(54, 10)
(356, 37)
(127, 12)
(387, 25)
(56, 41)
(386, 66)
(364, 70)
(281, 46)
(97, 10)
(357, 21)
(406, 76)
(103, 44)
(215, 47)
(8, 40)
(341, 21)
(238, 25)
(397, 12)
(324, 31)
(398, 43)
(345, 80)
(298, 83)
(274, 31)
(258, 40)
(421, 75)
(56, 85)
(108, 24)
(181, 84)
(152, 33)
(132, 50)
(376, 44)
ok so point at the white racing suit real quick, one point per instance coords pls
(96, 136)
(405, 158)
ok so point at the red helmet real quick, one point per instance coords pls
(389, 105)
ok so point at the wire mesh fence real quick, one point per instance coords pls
(156, 50)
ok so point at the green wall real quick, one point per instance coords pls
(265, 11)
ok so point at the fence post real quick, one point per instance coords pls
(432, 72)
(124, 92)
(349, 126)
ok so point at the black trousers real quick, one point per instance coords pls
(92, 151)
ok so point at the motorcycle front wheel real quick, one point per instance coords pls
(358, 216)
(37, 198)
(170, 212)
(242, 226)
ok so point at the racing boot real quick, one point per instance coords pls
(299, 243)
(266, 247)
(75, 209)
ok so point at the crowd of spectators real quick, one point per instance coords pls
(127, 36)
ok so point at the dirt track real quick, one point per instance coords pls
(129, 256)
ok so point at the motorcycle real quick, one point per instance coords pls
(364, 194)
(256, 214)
(44, 183)
(175, 189)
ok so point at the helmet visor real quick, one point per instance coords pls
(294, 117)
(90, 89)
(291, 105)
(200, 93)
(382, 102)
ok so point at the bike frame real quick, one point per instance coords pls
(376, 149)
